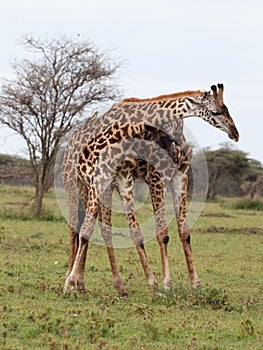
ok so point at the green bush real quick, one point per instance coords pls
(27, 214)
(249, 204)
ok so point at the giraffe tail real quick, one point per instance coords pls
(81, 214)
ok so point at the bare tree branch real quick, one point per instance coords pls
(48, 95)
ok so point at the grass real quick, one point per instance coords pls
(226, 313)
(249, 204)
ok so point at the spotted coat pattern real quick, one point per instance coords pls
(113, 149)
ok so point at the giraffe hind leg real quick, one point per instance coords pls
(179, 190)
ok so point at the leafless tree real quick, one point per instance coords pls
(46, 97)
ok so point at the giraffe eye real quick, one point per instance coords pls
(216, 113)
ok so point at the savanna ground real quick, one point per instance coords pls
(226, 313)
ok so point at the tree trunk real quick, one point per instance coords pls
(212, 189)
(50, 181)
(253, 191)
(39, 198)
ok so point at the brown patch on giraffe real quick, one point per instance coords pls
(163, 97)
(82, 160)
(86, 154)
(84, 168)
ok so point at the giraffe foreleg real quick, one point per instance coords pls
(73, 248)
(125, 189)
(77, 198)
(73, 224)
(179, 192)
(106, 231)
(76, 276)
(158, 190)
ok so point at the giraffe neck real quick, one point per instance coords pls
(184, 107)
(170, 108)
(207, 106)
(165, 112)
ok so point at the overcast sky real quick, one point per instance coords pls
(169, 46)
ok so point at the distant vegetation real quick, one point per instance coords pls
(248, 204)
(231, 173)
(15, 171)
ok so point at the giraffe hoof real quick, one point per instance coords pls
(72, 283)
(167, 285)
(157, 292)
(196, 284)
(154, 287)
(118, 284)
(81, 287)
(69, 287)
(123, 293)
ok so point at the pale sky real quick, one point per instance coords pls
(169, 46)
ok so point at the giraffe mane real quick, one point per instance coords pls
(163, 97)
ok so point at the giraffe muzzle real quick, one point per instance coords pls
(233, 134)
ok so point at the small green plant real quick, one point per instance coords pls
(205, 297)
(27, 214)
(248, 327)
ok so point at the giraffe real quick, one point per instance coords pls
(133, 118)
(123, 181)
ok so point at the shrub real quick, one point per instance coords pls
(249, 204)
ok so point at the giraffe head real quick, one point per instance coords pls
(217, 114)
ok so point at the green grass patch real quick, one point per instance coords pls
(225, 313)
(248, 204)
(16, 203)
